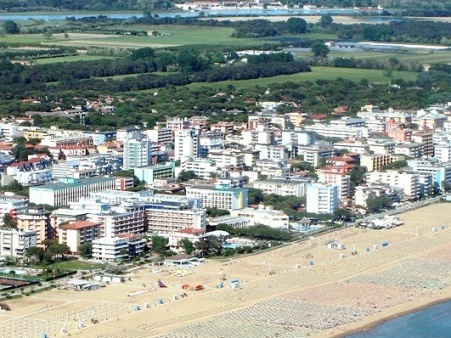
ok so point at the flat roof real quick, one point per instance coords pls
(87, 181)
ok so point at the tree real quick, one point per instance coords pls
(326, 20)
(375, 204)
(319, 49)
(255, 196)
(48, 34)
(185, 176)
(446, 186)
(159, 245)
(34, 253)
(215, 212)
(187, 245)
(11, 27)
(85, 249)
(296, 25)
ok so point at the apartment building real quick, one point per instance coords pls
(440, 171)
(263, 216)
(343, 182)
(74, 234)
(12, 204)
(426, 138)
(221, 196)
(38, 221)
(137, 151)
(155, 172)
(284, 185)
(186, 144)
(69, 190)
(375, 161)
(14, 243)
(322, 198)
(160, 135)
(409, 182)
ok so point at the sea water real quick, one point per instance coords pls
(431, 322)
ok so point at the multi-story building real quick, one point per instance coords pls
(202, 167)
(442, 152)
(261, 135)
(155, 172)
(429, 120)
(186, 144)
(15, 243)
(426, 138)
(209, 141)
(137, 151)
(75, 234)
(339, 131)
(272, 152)
(263, 216)
(37, 220)
(227, 158)
(357, 147)
(123, 134)
(440, 171)
(272, 168)
(322, 198)
(177, 123)
(314, 154)
(343, 182)
(375, 161)
(69, 190)
(12, 204)
(298, 137)
(221, 196)
(160, 135)
(363, 192)
(284, 185)
(409, 182)
(110, 249)
(412, 149)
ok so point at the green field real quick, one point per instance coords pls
(326, 73)
(417, 56)
(71, 58)
(74, 265)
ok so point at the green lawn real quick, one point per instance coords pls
(74, 265)
(326, 73)
(71, 58)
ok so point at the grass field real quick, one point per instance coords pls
(418, 56)
(74, 265)
(71, 58)
(326, 73)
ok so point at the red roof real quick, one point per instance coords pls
(77, 225)
(192, 231)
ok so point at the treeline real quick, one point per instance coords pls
(37, 53)
(257, 232)
(392, 64)
(149, 81)
(78, 5)
(404, 31)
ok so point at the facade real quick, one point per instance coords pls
(69, 190)
(440, 171)
(227, 158)
(209, 141)
(75, 234)
(155, 172)
(314, 154)
(113, 249)
(343, 182)
(404, 180)
(414, 150)
(322, 198)
(339, 131)
(160, 135)
(284, 186)
(221, 196)
(15, 243)
(202, 167)
(123, 133)
(442, 152)
(186, 144)
(11, 204)
(298, 137)
(137, 151)
(38, 221)
(375, 161)
(263, 216)
(426, 138)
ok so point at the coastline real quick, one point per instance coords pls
(392, 313)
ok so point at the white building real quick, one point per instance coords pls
(209, 141)
(284, 186)
(109, 249)
(406, 181)
(11, 204)
(272, 168)
(123, 133)
(227, 158)
(322, 198)
(221, 196)
(442, 152)
(69, 190)
(202, 167)
(339, 131)
(263, 216)
(186, 144)
(440, 171)
(137, 151)
(315, 153)
(15, 243)
(160, 135)
(298, 137)
(341, 180)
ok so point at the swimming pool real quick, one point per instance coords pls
(17, 271)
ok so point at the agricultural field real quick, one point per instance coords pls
(71, 58)
(326, 73)
(424, 57)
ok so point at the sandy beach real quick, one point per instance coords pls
(303, 289)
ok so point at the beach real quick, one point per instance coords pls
(302, 289)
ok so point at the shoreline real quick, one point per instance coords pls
(390, 316)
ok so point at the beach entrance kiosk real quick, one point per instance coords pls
(235, 284)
